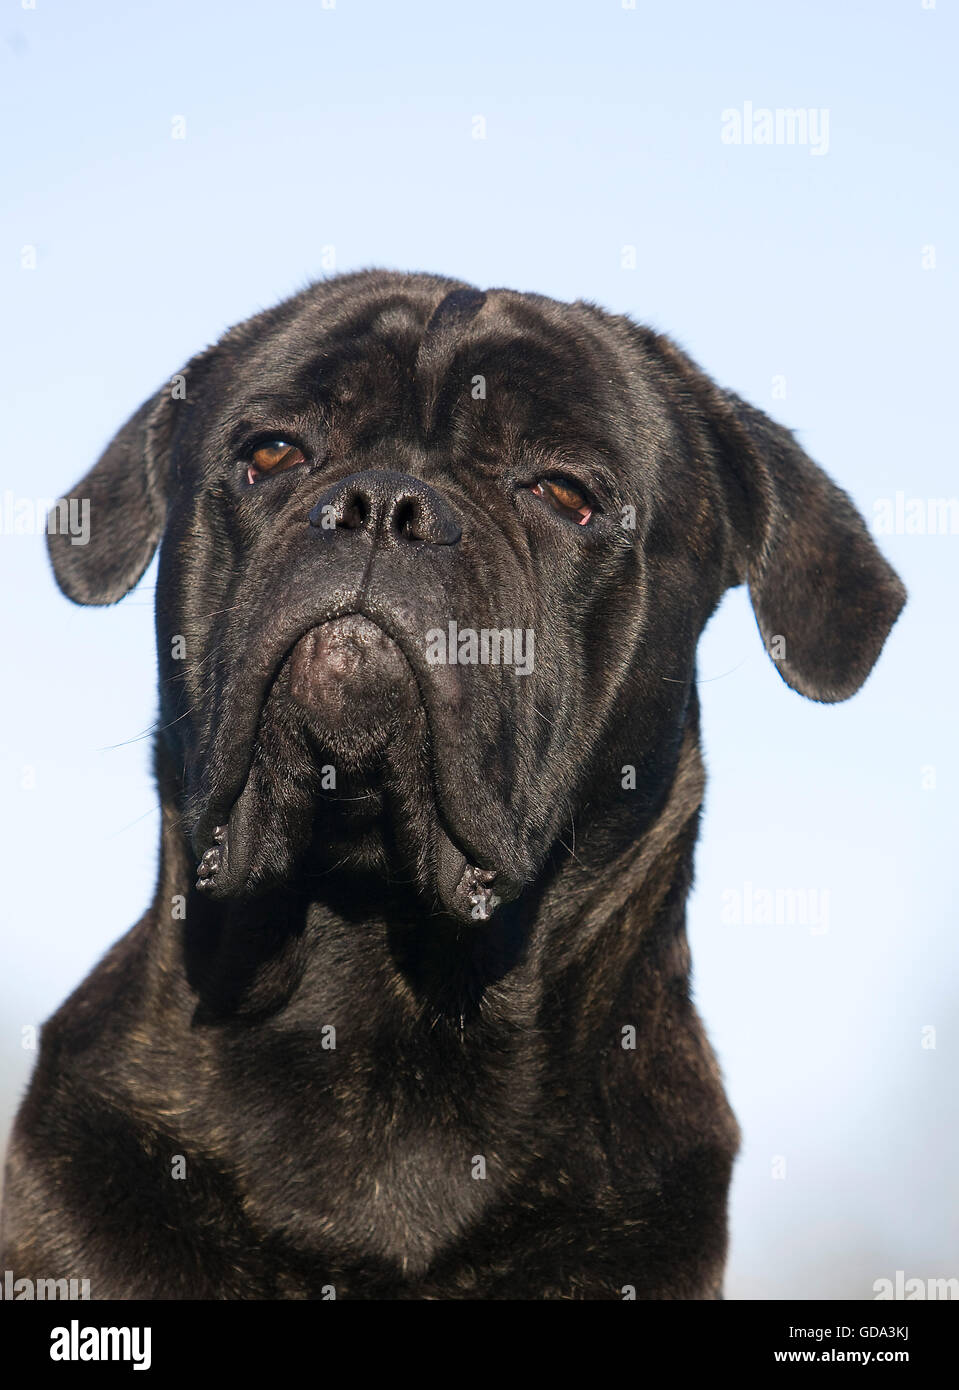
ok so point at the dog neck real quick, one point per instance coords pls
(447, 1041)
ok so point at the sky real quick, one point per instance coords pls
(169, 169)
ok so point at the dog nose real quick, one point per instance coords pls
(395, 508)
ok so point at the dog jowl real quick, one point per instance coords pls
(369, 1041)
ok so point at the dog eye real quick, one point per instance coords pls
(272, 456)
(565, 497)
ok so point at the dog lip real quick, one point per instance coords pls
(477, 887)
(216, 809)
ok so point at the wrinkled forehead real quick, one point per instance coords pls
(466, 368)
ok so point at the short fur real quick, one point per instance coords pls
(479, 1129)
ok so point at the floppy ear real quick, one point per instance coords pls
(122, 502)
(824, 597)
(123, 497)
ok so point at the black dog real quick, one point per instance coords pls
(409, 1015)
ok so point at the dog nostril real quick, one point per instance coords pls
(356, 512)
(406, 519)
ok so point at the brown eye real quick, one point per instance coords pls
(273, 456)
(566, 497)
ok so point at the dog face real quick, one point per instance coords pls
(434, 565)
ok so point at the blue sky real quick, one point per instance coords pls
(821, 286)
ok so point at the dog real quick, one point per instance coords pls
(409, 1016)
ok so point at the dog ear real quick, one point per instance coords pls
(121, 503)
(824, 597)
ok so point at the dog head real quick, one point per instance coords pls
(434, 565)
